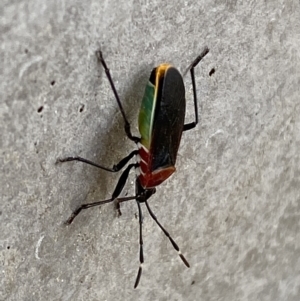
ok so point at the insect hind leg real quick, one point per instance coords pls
(191, 68)
(108, 75)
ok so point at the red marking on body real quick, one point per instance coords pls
(150, 179)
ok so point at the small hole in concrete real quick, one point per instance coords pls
(212, 71)
(81, 108)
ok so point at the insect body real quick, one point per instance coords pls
(161, 123)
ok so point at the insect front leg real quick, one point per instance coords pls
(120, 186)
(115, 194)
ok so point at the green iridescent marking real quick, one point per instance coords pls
(146, 115)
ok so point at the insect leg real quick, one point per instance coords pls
(191, 125)
(116, 193)
(107, 72)
(138, 277)
(115, 168)
(120, 186)
(168, 235)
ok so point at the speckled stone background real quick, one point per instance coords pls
(234, 204)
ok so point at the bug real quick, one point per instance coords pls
(161, 123)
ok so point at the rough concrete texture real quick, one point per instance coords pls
(234, 204)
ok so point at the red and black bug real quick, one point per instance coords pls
(161, 123)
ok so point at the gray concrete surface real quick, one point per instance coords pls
(233, 205)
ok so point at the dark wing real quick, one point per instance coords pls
(168, 119)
